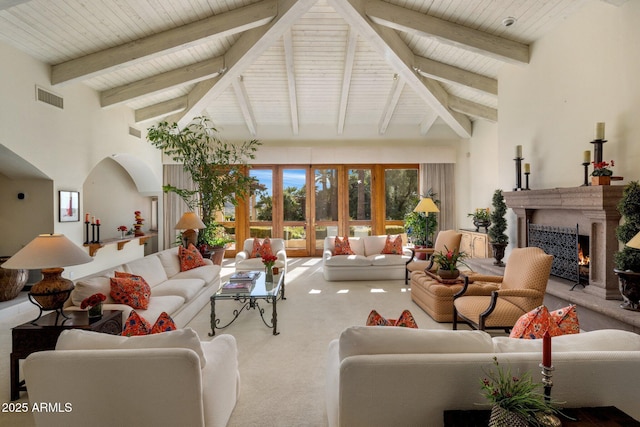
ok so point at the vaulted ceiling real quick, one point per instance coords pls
(284, 67)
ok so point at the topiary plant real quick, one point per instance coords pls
(629, 207)
(498, 222)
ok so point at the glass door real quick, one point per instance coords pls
(294, 208)
(324, 201)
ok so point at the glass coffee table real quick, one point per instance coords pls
(259, 290)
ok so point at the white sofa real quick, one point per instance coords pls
(168, 379)
(181, 294)
(244, 262)
(408, 377)
(368, 263)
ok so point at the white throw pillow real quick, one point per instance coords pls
(600, 340)
(78, 339)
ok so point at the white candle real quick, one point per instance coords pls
(600, 130)
(527, 168)
(518, 151)
(587, 156)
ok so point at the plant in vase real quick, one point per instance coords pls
(269, 261)
(601, 174)
(496, 232)
(94, 304)
(448, 262)
(123, 230)
(481, 218)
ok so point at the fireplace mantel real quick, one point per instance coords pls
(592, 208)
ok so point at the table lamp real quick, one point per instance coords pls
(634, 242)
(190, 223)
(427, 206)
(49, 252)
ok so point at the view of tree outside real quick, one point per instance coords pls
(360, 194)
(401, 188)
(326, 183)
(261, 196)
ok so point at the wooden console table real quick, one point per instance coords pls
(43, 335)
(598, 416)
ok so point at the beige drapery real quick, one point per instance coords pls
(174, 207)
(440, 178)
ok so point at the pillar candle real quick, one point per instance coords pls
(527, 168)
(600, 130)
(546, 350)
(587, 157)
(98, 221)
(518, 151)
(86, 217)
(93, 220)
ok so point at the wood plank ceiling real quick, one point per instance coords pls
(287, 68)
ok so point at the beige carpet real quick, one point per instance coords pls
(283, 376)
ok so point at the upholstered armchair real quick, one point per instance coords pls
(521, 289)
(449, 238)
(244, 261)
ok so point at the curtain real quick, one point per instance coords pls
(440, 178)
(174, 207)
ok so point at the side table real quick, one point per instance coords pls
(43, 335)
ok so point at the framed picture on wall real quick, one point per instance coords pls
(69, 203)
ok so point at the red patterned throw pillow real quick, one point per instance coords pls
(265, 248)
(255, 249)
(534, 324)
(405, 320)
(190, 258)
(135, 325)
(342, 246)
(164, 323)
(567, 319)
(131, 290)
(393, 246)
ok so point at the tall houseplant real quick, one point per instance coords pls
(415, 223)
(218, 170)
(497, 236)
(627, 260)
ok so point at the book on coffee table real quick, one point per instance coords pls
(237, 287)
(244, 276)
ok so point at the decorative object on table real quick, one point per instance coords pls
(275, 270)
(481, 218)
(497, 236)
(123, 230)
(68, 205)
(527, 172)
(138, 225)
(448, 262)
(49, 252)
(190, 223)
(627, 260)
(597, 143)
(518, 159)
(94, 303)
(586, 161)
(601, 174)
(269, 261)
(11, 280)
(516, 400)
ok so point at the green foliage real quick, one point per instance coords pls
(415, 223)
(629, 207)
(498, 222)
(214, 236)
(450, 259)
(481, 214)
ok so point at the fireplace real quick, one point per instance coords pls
(592, 210)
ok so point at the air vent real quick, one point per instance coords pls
(49, 98)
(135, 132)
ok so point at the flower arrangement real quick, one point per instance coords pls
(93, 300)
(269, 260)
(122, 228)
(449, 260)
(481, 214)
(515, 394)
(602, 168)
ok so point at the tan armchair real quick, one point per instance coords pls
(448, 238)
(521, 289)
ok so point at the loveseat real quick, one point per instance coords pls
(367, 263)
(391, 376)
(167, 379)
(181, 294)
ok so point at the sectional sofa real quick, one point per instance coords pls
(367, 263)
(181, 294)
(401, 376)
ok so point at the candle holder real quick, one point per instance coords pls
(526, 180)
(93, 233)
(86, 232)
(97, 233)
(518, 173)
(547, 381)
(597, 149)
(586, 174)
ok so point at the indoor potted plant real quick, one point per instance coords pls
(416, 224)
(481, 218)
(217, 169)
(496, 232)
(627, 260)
(601, 174)
(448, 262)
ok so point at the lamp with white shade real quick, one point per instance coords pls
(49, 252)
(426, 205)
(190, 223)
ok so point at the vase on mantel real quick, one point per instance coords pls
(601, 180)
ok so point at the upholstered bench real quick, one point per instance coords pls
(436, 298)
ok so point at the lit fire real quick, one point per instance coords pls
(582, 260)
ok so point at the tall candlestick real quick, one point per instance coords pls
(546, 350)
(600, 130)
(527, 168)
(518, 151)
(587, 156)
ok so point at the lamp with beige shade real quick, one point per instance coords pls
(190, 223)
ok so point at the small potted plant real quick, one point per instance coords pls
(94, 304)
(448, 262)
(212, 242)
(481, 218)
(123, 230)
(601, 174)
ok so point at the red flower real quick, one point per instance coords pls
(269, 260)
(122, 228)
(93, 300)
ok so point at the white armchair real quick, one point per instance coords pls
(244, 262)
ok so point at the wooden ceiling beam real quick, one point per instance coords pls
(391, 104)
(291, 80)
(429, 119)
(225, 24)
(245, 105)
(400, 57)
(349, 60)
(450, 74)
(161, 109)
(473, 109)
(416, 23)
(192, 73)
(6, 4)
